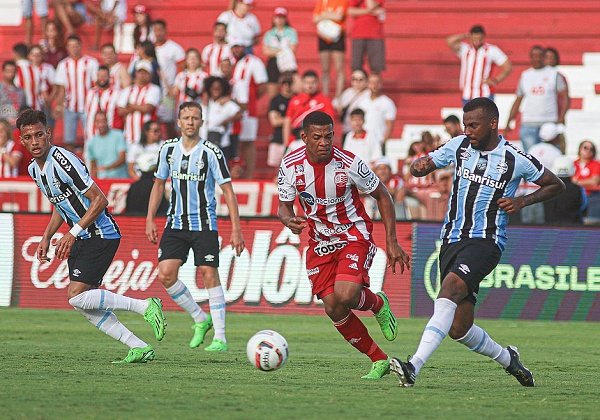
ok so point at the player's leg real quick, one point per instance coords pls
(325, 57)
(339, 64)
(217, 304)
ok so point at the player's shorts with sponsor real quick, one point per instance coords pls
(328, 262)
(470, 259)
(90, 258)
(175, 244)
(249, 128)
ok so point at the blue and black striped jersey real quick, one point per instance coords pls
(481, 178)
(64, 180)
(193, 177)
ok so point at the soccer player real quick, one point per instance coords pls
(328, 182)
(487, 172)
(91, 243)
(195, 166)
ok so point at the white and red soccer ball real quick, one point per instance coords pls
(267, 350)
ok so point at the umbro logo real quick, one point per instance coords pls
(76, 272)
(464, 155)
(464, 268)
(209, 257)
(353, 266)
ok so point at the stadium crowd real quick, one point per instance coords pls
(123, 111)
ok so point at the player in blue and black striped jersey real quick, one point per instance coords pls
(487, 172)
(195, 166)
(91, 243)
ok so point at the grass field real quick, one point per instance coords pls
(56, 365)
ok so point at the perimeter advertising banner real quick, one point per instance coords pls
(544, 273)
(269, 276)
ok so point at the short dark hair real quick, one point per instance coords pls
(225, 86)
(7, 63)
(30, 116)
(477, 29)
(553, 51)
(316, 118)
(21, 50)
(536, 47)
(453, 119)
(108, 45)
(310, 73)
(160, 22)
(103, 67)
(74, 38)
(189, 104)
(487, 105)
(359, 112)
(217, 23)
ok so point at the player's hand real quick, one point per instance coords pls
(237, 242)
(151, 233)
(396, 255)
(297, 224)
(64, 245)
(42, 250)
(511, 205)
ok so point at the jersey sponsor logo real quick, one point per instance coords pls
(325, 247)
(372, 183)
(308, 199)
(353, 266)
(502, 167)
(188, 177)
(480, 179)
(62, 160)
(353, 257)
(58, 198)
(465, 155)
(330, 201)
(481, 164)
(464, 268)
(340, 179)
(363, 170)
(285, 196)
(334, 231)
(214, 148)
(312, 271)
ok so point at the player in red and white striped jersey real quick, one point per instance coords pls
(10, 156)
(138, 102)
(328, 182)
(189, 83)
(217, 51)
(47, 74)
(75, 76)
(119, 77)
(28, 77)
(102, 98)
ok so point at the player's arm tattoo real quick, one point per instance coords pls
(422, 166)
(551, 186)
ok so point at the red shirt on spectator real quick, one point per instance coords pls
(303, 104)
(586, 171)
(25, 155)
(366, 26)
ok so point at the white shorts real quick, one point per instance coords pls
(249, 128)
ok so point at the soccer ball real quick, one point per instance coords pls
(267, 350)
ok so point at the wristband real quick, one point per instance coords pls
(75, 230)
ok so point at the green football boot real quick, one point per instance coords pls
(200, 330)
(386, 319)
(217, 346)
(379, 369)
(138, 355)
(155, 317)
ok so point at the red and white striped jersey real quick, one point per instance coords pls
(329, 193)
(29, 78)
(212, 55)
(48, 75)
(191, 80)
(105, 100)
(77, 76)
(249, 72)
(114, 74)
(476, 66)
(136, 95)
(6, 171)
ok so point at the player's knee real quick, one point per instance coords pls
(167, 278)
(453, 288)
(346, 297)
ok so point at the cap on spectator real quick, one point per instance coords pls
(280, 11)
(248, 2)
(237, 161)
(383, 161)
(549, 131)
(233, 41)
(563, 167)
(140, 8)
(143, 65)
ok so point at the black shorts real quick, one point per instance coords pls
(339, 45)
(176, 244)
(90, 258)
(273, 72)
(471, 260)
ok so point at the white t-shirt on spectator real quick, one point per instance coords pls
(168, 55)
(136, 153)
(365, 147)
(134, 122)
(546, 153)
(377, 112)
(350, 98)
(5, 170)
(539, 87)
(214, 115)
(212, 55)
(245, 29)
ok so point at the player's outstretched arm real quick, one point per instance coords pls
(288, 217)
(551, 186)
(156, 195)
(395, 253)
(55, 222)
(237, 239)
(422, 166)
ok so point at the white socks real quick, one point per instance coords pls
(107, 301)
(216, 299)
(436, 330)
(477, 340)
(182, 296)
(108, 323)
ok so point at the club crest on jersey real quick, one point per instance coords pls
(339, 165)
(184, 165)
(481, 164)
(340, 179)
(299, 169)
(502, 167)
(200, 164)
(308, 199)
(56, 183)
(465, 155)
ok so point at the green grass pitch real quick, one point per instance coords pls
(56, 365)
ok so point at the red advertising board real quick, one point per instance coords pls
(269, 276)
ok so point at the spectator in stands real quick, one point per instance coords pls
(138, 102)
(547, 151)
(237, 168)
(106, 151)
(189, 84)
(144, 154)
(367, 34)
(309, 100)
(380, 111)
(219, 114)
(277, 110)
(47, 74)
(359, 141)
(53, 44)
(145, 51)
(453, 126)
(552, 59)
(9, 156)
(429, 141)
(41, 10)
(142, 30)
(28, 78)
(215, 52)
(70, 13)
(477, 58)
(249, 79)
(102, 98)
(350, 98)
(330, 16)
(416, 150)
(107, 14)
(170, 57)
(587, 175)
(279, 46)
(12, 98)
(71, 91)
(545, 95)
(119, 77)
(568, 207)
(395, 186)
(242, 24)
(138, 195)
